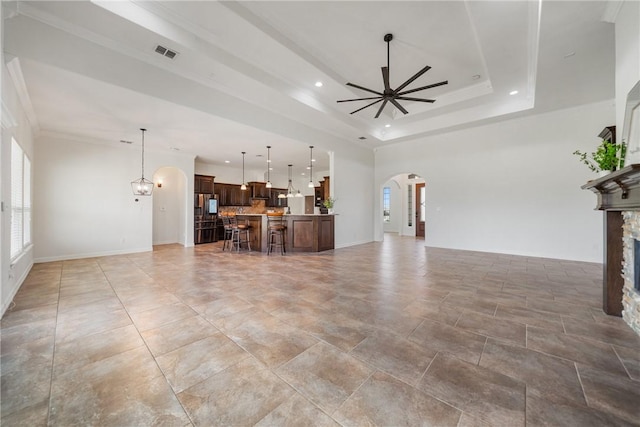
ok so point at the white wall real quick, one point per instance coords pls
(509, 187)
(14, 124)
(83, 204)
(352, 178)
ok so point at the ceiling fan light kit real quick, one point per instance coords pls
(393, 95)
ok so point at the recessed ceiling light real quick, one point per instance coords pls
(475, 77)
(313, 160)
(227, 161)
(302, 173)
(513, 92)
(318, 84)
(387, 125)
(270, 169)
(308, 167)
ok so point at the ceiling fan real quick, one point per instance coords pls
(393, 95)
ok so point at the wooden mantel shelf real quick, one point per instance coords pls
(618, 191)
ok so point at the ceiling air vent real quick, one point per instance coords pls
(166, 52)
(362, 137)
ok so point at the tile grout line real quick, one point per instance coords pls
(584, 393)
(144, 341)
(53, 355)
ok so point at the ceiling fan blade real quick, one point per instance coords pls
(381, 108)
(368, 105)
(385, 78)
(398, 106)
(423, 88)
(358, 99)
(364, 88)
(407, 98)
(415, 76)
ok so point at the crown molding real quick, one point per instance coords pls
(15, 71)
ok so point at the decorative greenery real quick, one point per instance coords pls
(329, 203)
(607, 157)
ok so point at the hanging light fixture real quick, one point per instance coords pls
(142, 186)
(268, 166)
(290, 190)
(311, 167)
(244, 185)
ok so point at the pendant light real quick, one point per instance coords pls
(142, 186)
(244, 185)
(311, 167)
(290, 189)
(268, 166)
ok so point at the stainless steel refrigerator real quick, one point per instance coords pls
(205, 211)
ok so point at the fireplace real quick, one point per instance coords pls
(619, 196)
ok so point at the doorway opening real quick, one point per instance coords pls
(404, 205)
(169, 206)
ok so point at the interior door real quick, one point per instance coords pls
(420, 210)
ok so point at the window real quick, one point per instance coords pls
(20, 200)
(386, 204)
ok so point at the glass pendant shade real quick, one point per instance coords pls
(142, 186)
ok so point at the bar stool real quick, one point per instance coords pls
(240, 234)
(229, 223)
(277, 230)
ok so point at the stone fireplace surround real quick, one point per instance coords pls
(630, 295)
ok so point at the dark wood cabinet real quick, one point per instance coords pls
(203, 184)
(259, 190)
(274, 201)
(232, 195)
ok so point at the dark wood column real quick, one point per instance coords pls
(612, 280)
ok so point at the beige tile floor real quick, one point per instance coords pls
(387, 334)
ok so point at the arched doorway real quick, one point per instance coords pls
(404, 205)
(169, 206)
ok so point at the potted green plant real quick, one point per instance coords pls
(607, 157)
(328, 204)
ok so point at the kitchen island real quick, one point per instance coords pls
(305, 233)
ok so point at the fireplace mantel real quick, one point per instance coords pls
(618, 191)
